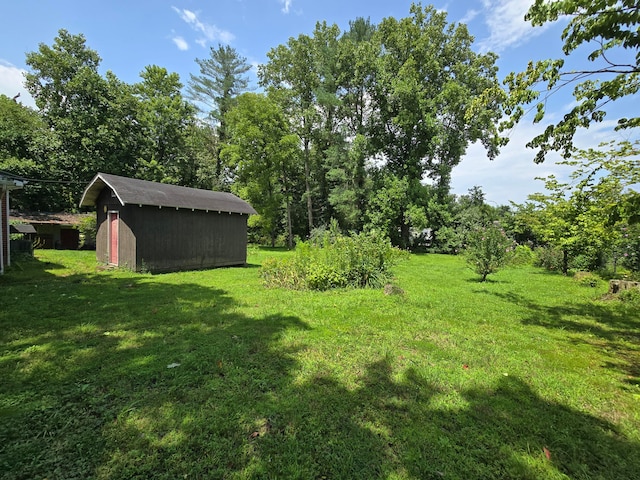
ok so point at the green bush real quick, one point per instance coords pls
(630, 247)
(320, 276)
(488, 249)
(549, 258)
(586, 279)
(586, 262)
(522, 255)
(333, 260)
(88, 230)
(631, 296)
(283, 273)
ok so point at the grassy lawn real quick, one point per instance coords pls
(110, 374)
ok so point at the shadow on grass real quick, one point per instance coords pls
(477, 280)
(610, 325)
(134, 378)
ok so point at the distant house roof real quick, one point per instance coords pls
(23, 228)
(10, 183)
(47, 218)
(130, 191)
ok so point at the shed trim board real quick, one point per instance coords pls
(113, 220)
(156, 227)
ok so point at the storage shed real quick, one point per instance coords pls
(156, 227)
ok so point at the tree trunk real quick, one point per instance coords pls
(289, 229)
(565, 261)
(404, 234)
(284, 182)
(307, 184)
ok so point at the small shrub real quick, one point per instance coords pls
(630, 248)
(522, 255)
(586, 279)
(448, 240)
(333, 261)
(282, 273)
(321, 276)
(549, 258)
(488, 249)
(586, 262)
(88, 231)
(631, 296)
(633, 276)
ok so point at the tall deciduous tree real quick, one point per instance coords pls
(292, 77)
(399, 93)
(92, 116)
(611, 28)
(347, 169)
(165, 118)
(427, 76)
(26, 149)
(264, 151)
(222, 78)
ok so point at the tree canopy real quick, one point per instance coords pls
(394, 97)
(350, 120)
(88, 122)
(222, 78)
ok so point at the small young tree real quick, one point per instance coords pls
(488, 249)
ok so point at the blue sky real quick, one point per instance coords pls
(131, 35)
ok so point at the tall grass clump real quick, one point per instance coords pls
(333, 260)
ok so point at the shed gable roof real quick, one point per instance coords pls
(131, 191)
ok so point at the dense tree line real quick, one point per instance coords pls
(362, 126)
(86, 122)
(378, 110)
(349, 125)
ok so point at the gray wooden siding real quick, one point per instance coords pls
(170, 239)
(166, 239)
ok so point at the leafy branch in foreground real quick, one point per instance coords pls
(610, 25)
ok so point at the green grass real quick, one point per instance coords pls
(452, 379)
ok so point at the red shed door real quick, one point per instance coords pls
(113, 238)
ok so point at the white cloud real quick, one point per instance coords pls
(469, 16)
(181, 43)
(12, 83)
(443, 9)
(286, 5)
(511, 176)
(506, 24)
(211, 32)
